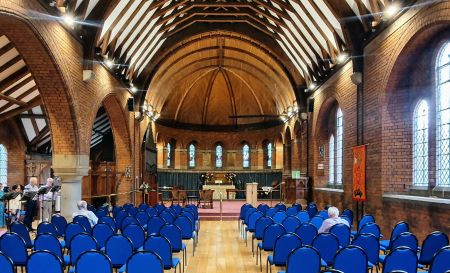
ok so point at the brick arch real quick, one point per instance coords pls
(322, 121)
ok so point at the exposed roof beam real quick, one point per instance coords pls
(30, 105)
(11, 79)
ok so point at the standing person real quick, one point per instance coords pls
(2, 207)
(30, 206)
(333, 214)
(14, 205)
(47, 201)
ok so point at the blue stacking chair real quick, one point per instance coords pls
(110, 221)
(173, 234)
(284, 244)
(118, 248)
(93, 259)
(327, 244)
(346, 219)
(126, 207)
(143, 207)
(297, 206)
(136, 234)
(13, 246)
(142, 218)
(132, 211)
(307, 232)
(6, 264)
(242, 212)
(263, 208)
(252, 218)
(80, 243)
(371, 228)
(401, 258)
(303, 259)
(84, 221)
(101, 232)
(368, 218)
(303, 216)
(404, 239)
(193, 210)
(292, 211)
(47, 227)
(120, 216)
(115, 210)
(260, 226)
(311, 208)
(271, 211)
(397, 230)
(189, 214)
(441, 261)
(71, 230)
(129, 220)
(280, 206)
(244, 224)
(60, 224)
(431, 245)
(291, 223)
(160, 207)
(91, 208)
(371, 246)
(317, 221)
(44, 261)
(349, 214)
(151, 212)
(350, 259)
(270, 235)
(102, 213)
(48, 242)
(187, 230)
(167, 216)
(177, 208)
(142, 261)
(154, 224)
(22, 230)
(342, 232)
(323, 214)
(161, 246)
(279, 216)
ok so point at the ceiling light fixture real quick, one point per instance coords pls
(312, 86)
(109, 63)
(392, 10)
(342, 57)
(69, 20)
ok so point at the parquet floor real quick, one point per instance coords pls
(220, 249)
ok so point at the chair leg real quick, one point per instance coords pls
(245, 237)
(257, 248)
(253, 251)
(260, 260)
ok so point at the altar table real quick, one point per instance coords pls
(220, 188)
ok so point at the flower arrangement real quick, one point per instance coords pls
(144, 187)
(230, 177)
(206, 177)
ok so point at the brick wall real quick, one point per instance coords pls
(12, 139)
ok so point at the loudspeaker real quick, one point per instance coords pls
(311, 105)
(130, 104)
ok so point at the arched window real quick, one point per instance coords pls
(246, 156)
(192, 155)
(169, 154)
(443, 116)
(219, 155)
(331, 160)
(339, 145)
(3, 165)
(420, 145)
(269, 155)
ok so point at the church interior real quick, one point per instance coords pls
(224, 136)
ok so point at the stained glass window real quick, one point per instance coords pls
(246, 156)
(339, 145)
(219, 153)
(3, 165)
(443, 117)
(420, 145)
(192, 156)
(169, 154)
(331, 160)
(269, 155)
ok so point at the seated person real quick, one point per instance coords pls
(82, 210)
(14, 205)
(333, 214)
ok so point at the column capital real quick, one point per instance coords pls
(71, 167)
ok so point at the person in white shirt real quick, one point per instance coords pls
(82, 210)
(334, 219)
(47, 201)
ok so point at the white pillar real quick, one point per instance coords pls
(70, 195)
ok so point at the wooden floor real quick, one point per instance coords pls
(220, 249)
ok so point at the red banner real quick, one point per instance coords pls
(359, 173)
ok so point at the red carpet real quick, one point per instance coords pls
(230, 210)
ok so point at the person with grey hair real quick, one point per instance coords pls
(47, 201)
(82, 210)
(334, 219)
(31, 205)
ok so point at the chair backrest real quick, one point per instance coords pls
(160, 207)
(115, 210)
(348, 213)
(291, 223)
(281, 206)
(323, 214)
(47, 227)
(91, 259)
(244, 209)
(6, 264)
(263, 208)
(173, 234)
(44, 261)
(371, 228)
(261, 225)
(136, 234)
(399, 228)
(194, 210)
(284, 244)
(368, 218)
(190, 215)
(118, 248)
(167, 216)
(370, 244)
(101, 232)
(291, 211)
(120, 216)
(431, 245)
(297, 206)
(252, 220)
(142, 217)
(60, 224)
(317, 221)
(177, 208)
(71, 230)
(271, 211)
(84, 221)
(311, 208)
(154, 224)
(350, 259)
(49, 242)
(110, 221)
(143, 207)
(441, 261)
(327, 244)
(342, 232)
(401, 258)
(161, 246)
(303, 216)
(151, 212)
(307, 232)
(185, 226)
(142, 261)
(80, 243)
(128, 221)
(279, 216)
(247, 215)
(13, 246)
(345, 217)
(132, 211)
(102, 212)
(305, 259)
(270, 234)
(22, 231)
(126, 207)
(405, 239)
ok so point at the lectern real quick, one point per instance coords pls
(252, 194)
